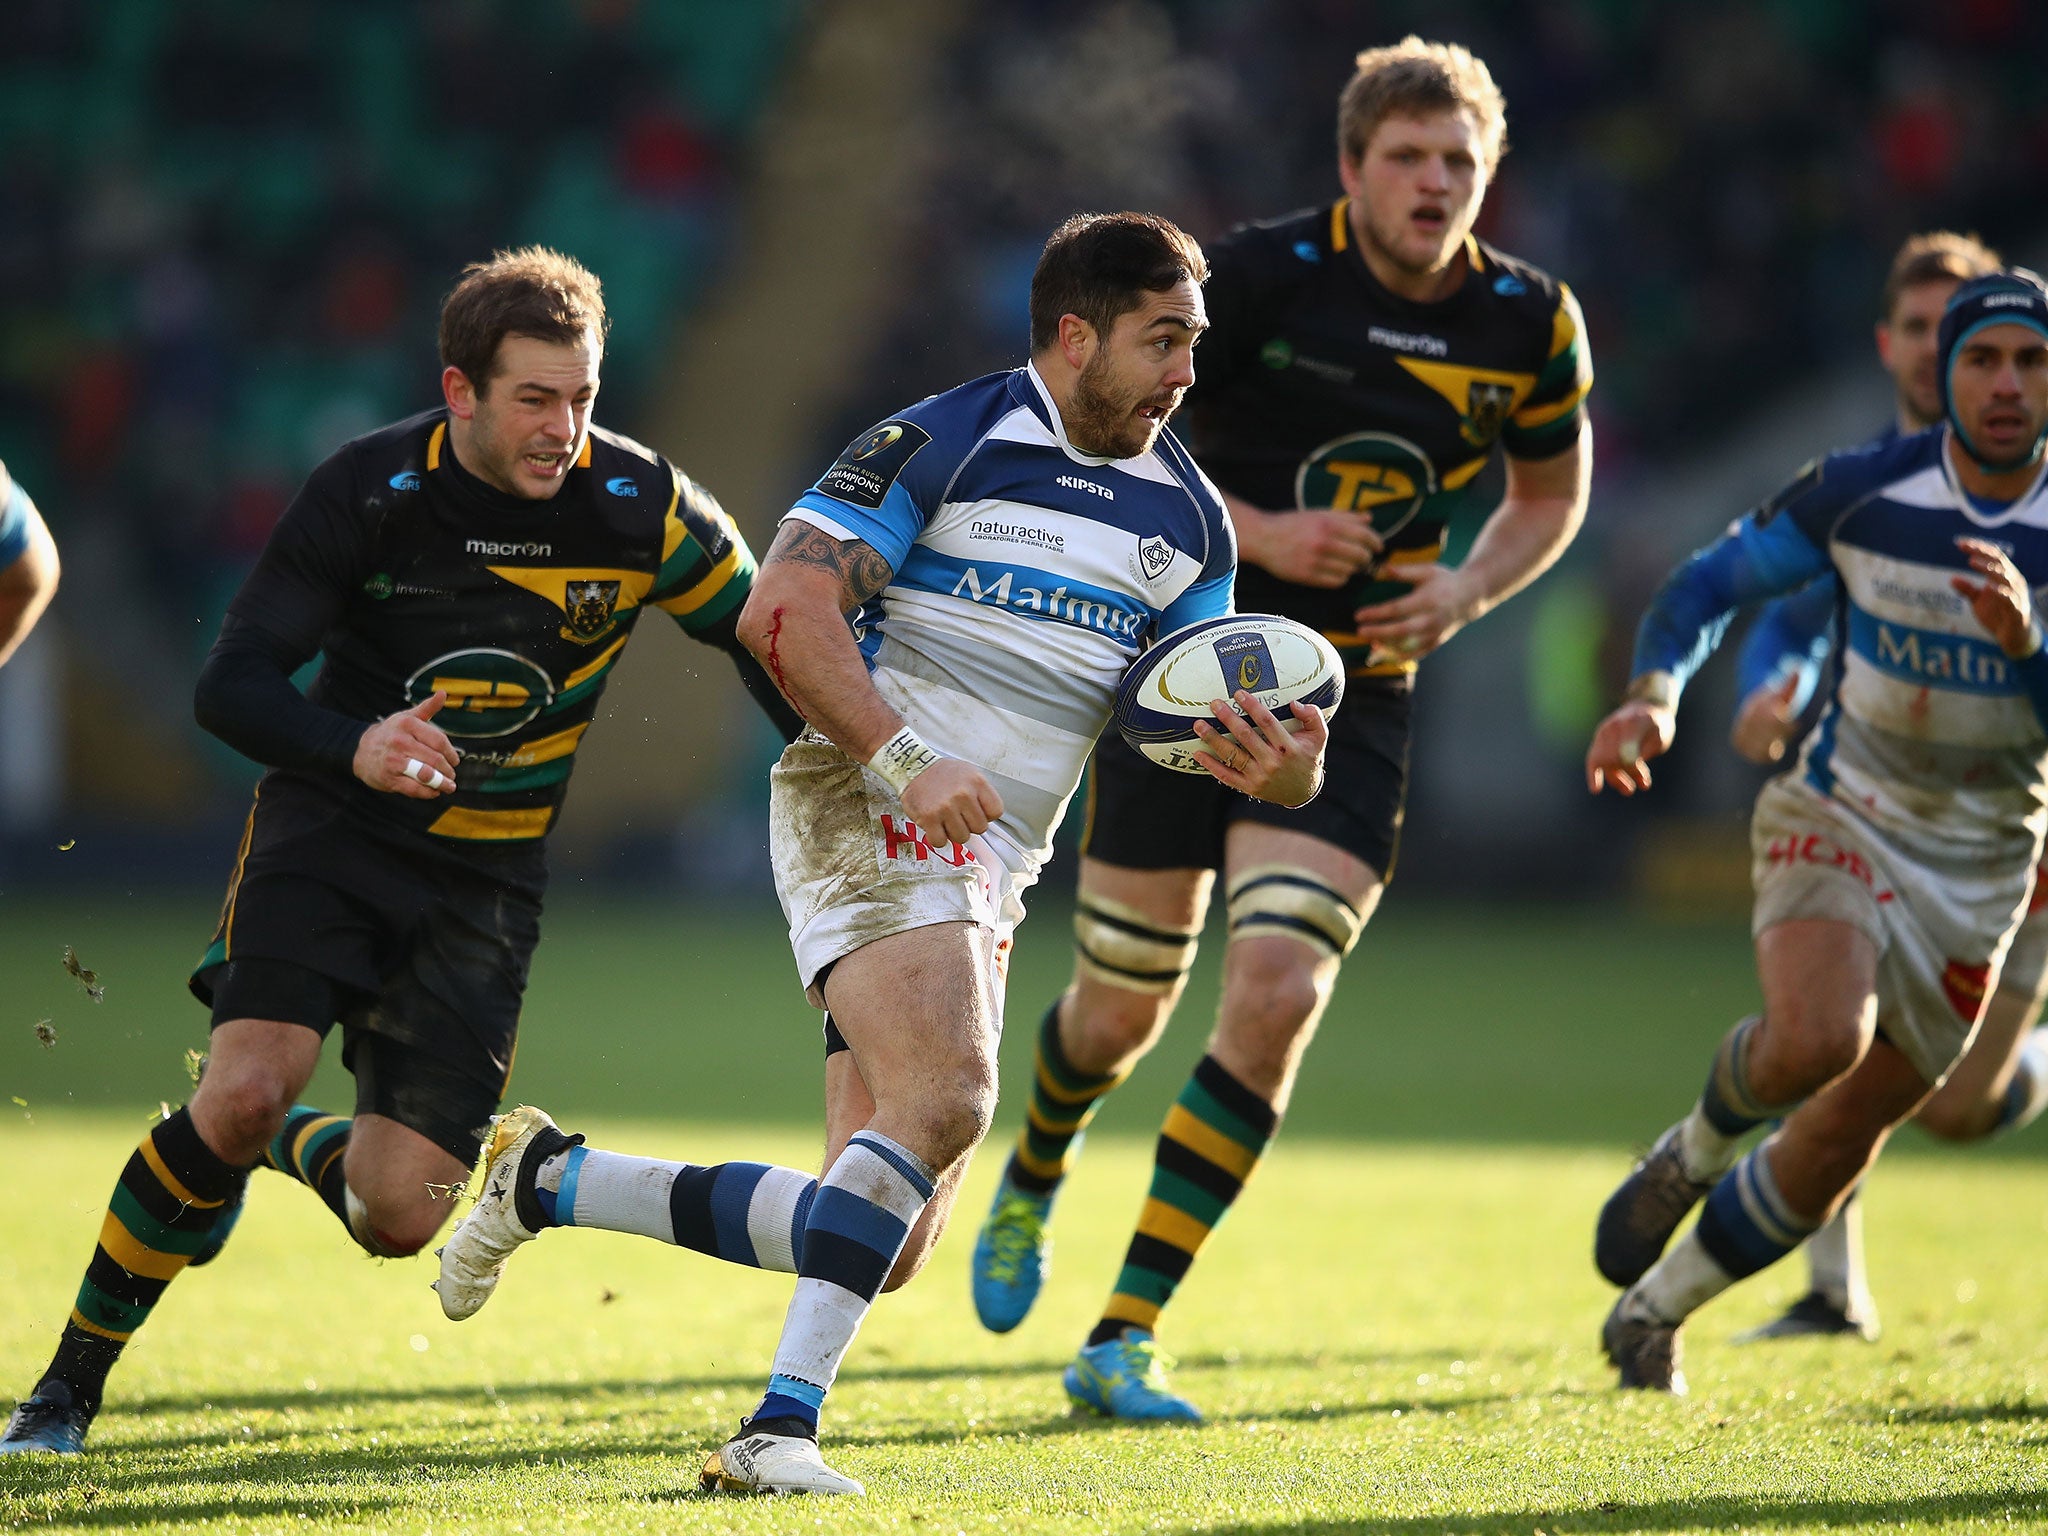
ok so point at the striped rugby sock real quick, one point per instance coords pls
(1746, 1224)
(310, 1149)
(161, 1213)
(745, 1213)
(866, 1206)
(1063, 1100)
(1208, 1147)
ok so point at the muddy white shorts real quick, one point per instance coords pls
(851, 867)
(1941, 924)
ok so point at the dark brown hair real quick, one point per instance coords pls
(532, 291)
(1938, 256)
(1416, 79)
(1100, 265)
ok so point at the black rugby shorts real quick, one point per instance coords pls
(1142, 816)
(420, 954)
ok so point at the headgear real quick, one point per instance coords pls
(2015, 296)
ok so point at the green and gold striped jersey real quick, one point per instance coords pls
(1316, 387)
(411, 576)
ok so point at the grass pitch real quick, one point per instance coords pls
(1391, 1334)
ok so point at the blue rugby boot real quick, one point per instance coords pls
(51, 1419)
(1012, 1256)
(1125, 1378)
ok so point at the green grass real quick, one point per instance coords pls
(1394, 1332)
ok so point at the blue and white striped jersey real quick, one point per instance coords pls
(16, 512)
(1929, 731)
(1028, 574)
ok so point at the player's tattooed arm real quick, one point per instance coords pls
(795, 624)
(859, 568)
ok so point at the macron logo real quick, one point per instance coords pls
(526, 551)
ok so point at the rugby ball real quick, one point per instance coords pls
(1276, 660)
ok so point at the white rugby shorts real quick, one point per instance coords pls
(851, 867)
(1942, 926)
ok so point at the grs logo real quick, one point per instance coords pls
(405, 480)
(621, 486)
(493, 547)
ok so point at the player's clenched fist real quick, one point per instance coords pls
(407, 754)
(1625, 742)
(951, 801)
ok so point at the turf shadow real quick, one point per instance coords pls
(1713, 1512)
(1964, 1413)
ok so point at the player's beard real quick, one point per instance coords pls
(1104, 420)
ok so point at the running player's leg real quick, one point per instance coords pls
(1296, 906)
(164, 1208)
(1766, 1205)
(1149, 847)
(848, 1107)
(1820, 1012)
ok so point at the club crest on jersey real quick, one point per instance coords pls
(1155, 555)
(589, 605)
(1486, 412)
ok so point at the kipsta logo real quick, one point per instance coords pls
(621, 486)
(405, 480)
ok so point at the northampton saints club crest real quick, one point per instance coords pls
(1486, 412)
(590, 605)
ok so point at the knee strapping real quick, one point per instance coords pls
(1284, 901)
(1121, 947)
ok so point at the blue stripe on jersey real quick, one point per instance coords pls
(1758, 557)
(888, 532)
(842, 1212)
(1026, 590)
(1927, 536)
(14, 517)
(1820, 766)
(1204, 600)
(1931, 657)
(1040, 475)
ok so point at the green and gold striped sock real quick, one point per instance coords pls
(162, 1212)
(310, 1149)
(1063, 1101)
(1207, 1149)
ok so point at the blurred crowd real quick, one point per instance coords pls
(1721, 183)
(229, 225)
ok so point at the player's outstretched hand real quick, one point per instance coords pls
(1311, 548)
(1765, 723)
(1625, 742)
(2001, 600)
(1258, 755)
(407, 754)
(1440, 603)
(951, 801)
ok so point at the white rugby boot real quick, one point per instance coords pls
(506, 1212)
(754, 1461)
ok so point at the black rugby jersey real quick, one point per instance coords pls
(1316, 387)
(412, 575)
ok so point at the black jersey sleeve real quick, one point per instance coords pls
(1548, 421)
(1234, 298)
(246, 698)
(706, 572)
(317, 554)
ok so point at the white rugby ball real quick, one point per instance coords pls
(1276, 660)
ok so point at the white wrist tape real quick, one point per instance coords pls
(902, 758)
(1659, 690)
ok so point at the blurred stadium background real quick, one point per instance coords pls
(228, 225)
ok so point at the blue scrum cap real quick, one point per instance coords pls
(2015, 296)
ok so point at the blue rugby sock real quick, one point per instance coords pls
(1746, 1224)
(866, 1206)
(745, 1213)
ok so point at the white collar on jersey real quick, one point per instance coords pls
(2028, 507)
(1059, 426)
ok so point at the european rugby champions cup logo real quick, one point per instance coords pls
(1246, 662)
(590, 606)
